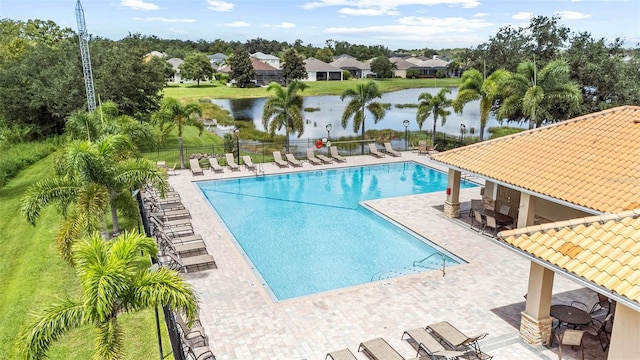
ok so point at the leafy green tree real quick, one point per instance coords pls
(535, 96)
(413, 73)
(293, 66)
(436, 105)
(115, 278)
(241, 69)
(173, 113)
(91, 178)
(383, 67)
(325, 54)
(197, 67)
(284, 109)
(475, 87)
(361, 99)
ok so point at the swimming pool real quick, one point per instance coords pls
(307, 232)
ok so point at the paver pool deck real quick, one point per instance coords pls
(485, 295)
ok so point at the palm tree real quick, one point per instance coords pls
(436, 104)
(115, 278)
(362, 99)
(475, 87)
(533, 96)
(173, 113)
(285, 107)
(91, 177)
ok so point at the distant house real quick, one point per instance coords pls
(217, 60)
(403, 65)
(429, 67)
(270, 60)
(318, 70)
(358, 69)
(154, 53)
(265, 73)
(175, 63)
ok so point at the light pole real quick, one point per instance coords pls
(463, 129)
(236, 132)
(406, 134)
(328, 127)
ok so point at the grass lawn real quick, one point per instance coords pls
(216, 90)
(32, 274)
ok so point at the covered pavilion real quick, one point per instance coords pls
(574, 189)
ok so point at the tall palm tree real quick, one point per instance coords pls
(532, 95)
(90, 178)
(173, 113)
(434, 104)
(284, 109)
(362, 98)
(115, 278)
(475, 87)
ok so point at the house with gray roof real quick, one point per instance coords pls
(318, 70)
(175, 63)
(217, 60)
(403, 65)
(358, 69)
(270, 60)
(265, 73)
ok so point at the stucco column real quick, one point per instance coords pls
(535, 322)
(452, 202)
(625, 342)
(527, 210)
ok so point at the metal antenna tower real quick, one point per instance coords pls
(86, 58)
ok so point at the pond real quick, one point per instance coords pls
(331, 109)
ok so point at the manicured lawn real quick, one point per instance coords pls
(216, 90)
(32, 274)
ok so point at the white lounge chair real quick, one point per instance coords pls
(311, 157)
(215, 166)
(389, 150)
(231, 162)
(195, 167)
(379, 349)
(293, 161)
(248, 163)
(335, 156)
(277, 158)
(373, 151)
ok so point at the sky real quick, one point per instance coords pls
(396, 24)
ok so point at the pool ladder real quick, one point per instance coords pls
(424, 263)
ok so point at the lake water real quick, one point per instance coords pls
(331, 109)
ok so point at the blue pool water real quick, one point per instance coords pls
(306, 232)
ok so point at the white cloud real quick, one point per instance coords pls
(479, 15)
(221, 6)
(285, 25)
(573, 15)
(356, 7)
(238, 24)
(139, 5)
(522, 16)
(166, 20)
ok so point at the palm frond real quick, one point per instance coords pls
(164, 286)
(59, 190)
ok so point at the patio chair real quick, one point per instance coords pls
(379, 349)
(215, 165)
(427, 343)
(343, 354)
(456, 339)
(504, 209)
(476, 204)
(248, 163)
(277, 158)
(172, 170)
(335, 156)
(231, 163)
(190, 264)
(477, 217)
(596, 328)
(569, 337)
(311, 157)
(194, 165)
(490, 222)
(422, 147)
(373, 150)
(195, 333)
(199, 353)
(389, 150)
(293, 161)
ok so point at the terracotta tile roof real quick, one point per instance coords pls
(592, 161)
(603, 250)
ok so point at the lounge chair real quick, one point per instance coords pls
(215, 165)
(323, 158)
(335, 156)
(389, 150)
(342, 354)
(200, 353)
(379, 349)
(195, 167)
(422, 147)
(373, 151)
(231, 162)
(311, 157)
(248, 163)
(173, 227)
(277, 158)
(172, 170)
(456, 339)
(168, 215)
(427, 343)
(194, 333)
(293, 161)
(180, 249)
(177, 239)
(190, 264)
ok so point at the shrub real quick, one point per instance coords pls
(18, 157)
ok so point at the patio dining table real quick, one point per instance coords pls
(570, 315)
(501, 219)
